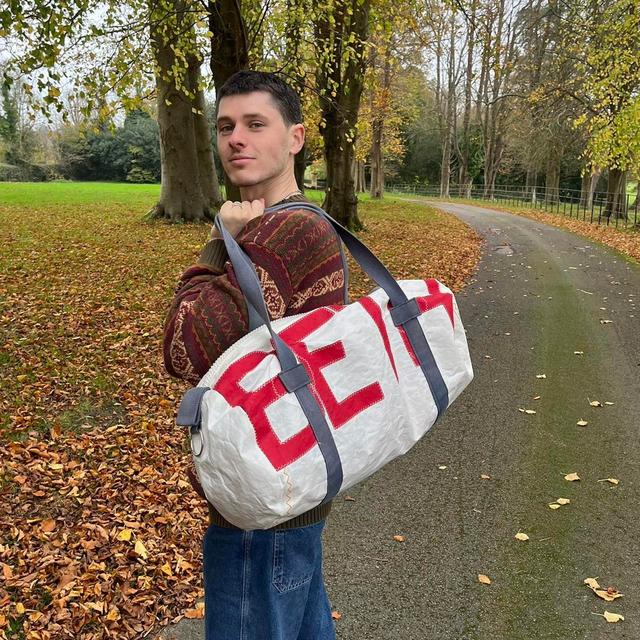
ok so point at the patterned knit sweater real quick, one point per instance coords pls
(297, 258)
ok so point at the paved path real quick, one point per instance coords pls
(539, 295)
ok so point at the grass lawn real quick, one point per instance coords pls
(100, 535)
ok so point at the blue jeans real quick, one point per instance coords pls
(265, 585)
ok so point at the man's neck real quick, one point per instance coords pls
(272, 193)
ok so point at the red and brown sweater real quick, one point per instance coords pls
(297, 258)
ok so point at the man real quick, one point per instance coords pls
(259, 585)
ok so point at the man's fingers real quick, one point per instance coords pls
(236, 215)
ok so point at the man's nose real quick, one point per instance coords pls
(237, 137)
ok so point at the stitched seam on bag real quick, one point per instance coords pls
(289, 492)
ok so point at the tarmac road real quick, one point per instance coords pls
(539, 295)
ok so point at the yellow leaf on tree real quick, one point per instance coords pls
(482, 579)
(563, 501)
(141, 550)
(124, 535)
(612, 617)
(572, 477)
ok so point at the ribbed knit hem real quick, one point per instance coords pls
(214, 254)
(303, 520)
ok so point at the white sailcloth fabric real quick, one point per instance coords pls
(255, 453)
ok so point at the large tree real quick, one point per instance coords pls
(341, 29)
(114, 58)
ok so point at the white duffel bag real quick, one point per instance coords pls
(306, 406)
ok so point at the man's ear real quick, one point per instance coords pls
(297, 138)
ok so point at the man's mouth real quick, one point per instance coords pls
(240, 160)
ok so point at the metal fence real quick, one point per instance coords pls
(619, 210)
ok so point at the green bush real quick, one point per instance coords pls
(12, 173)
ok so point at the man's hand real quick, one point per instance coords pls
(236, 215)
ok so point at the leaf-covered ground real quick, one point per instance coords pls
(100, 531)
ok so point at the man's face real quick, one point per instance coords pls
(254, 143)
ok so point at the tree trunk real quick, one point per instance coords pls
(206, 165)
(445, 167)
(530, 181)
(229, 53)
(616, 196)
(552, 179)
(182, 198)
(464, 179)
(377, 175)
(588, 187)
(300, 167)
(340, 100)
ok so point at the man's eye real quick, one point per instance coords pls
(225, 128)
(256, 125)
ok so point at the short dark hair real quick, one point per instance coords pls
(286, 99)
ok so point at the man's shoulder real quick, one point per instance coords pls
(294, 221)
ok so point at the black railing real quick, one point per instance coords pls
(619, 210)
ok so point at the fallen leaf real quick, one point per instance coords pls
(529, 411)
(20, 608)
(578, 353)
(141, 550)
(124, 535)
(554, 505)
(482, 579)
(349, 499)
(606, 321)
(582, 423)
(48, 525)
(595, 403)
(485, 477)
(536, 397)
(612, 617)
(166, 568)
(399, 538)
(592, 583)
(197, 613)
(610, 480)
(563, 501)
(521, 536)
(335, 615)
(541, 376)
(572, 477)
(610, 404)
(442, 467)
(609, 595)
(113, 614)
